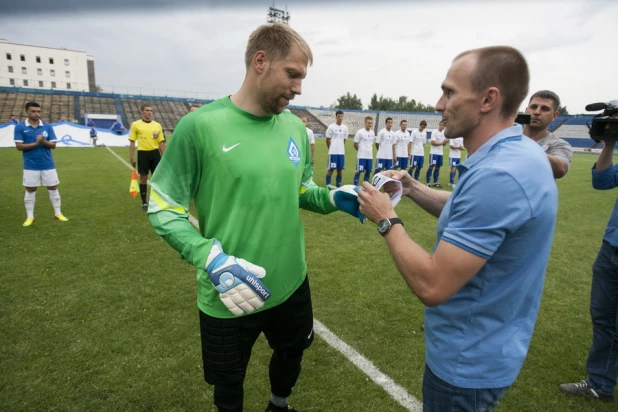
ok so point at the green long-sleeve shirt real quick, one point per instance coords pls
(248, 176)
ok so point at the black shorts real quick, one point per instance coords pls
(147, 160)
(227, 343)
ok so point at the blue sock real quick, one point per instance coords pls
(338, 180)
(451, 179)
(367, 176)
(428, 175)
(356, 177)
(417, 174)
(410, 172)
(328, 179)
(436, 174)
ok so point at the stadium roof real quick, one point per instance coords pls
(41, 47)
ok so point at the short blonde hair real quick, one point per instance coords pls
(276, 40)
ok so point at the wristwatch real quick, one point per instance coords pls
(385, 225)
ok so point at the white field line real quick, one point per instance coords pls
(397, 392)
(192, 219)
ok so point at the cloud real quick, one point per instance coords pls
(390, 48)
(426, 35)
(557, 41)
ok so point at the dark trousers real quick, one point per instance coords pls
(602, 365)
(227, 344)
(441, 396)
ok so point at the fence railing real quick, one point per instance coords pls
(32, 82)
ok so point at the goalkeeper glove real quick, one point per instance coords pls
(345, 199)
(237, 281)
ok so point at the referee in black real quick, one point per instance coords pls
(150, 148)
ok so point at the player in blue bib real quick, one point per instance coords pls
(117, 127)
(93, 136)
(35, 140)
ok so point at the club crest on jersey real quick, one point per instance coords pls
(293, 152)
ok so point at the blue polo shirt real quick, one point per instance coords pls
(40, 157)
(504, 210)
(603, 180)
(13, 121)
(117, 126)
(90, 124)
(93, 132)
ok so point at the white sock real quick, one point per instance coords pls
(54, 196)
(278, 401)
(29, 202)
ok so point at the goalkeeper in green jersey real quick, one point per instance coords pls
(248, 180)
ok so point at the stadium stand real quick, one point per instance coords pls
(168, 110)
(432, 119)
(102, 105)
(575, 131)
(355, 120)
(560, 120)
(12, 103)
(313, 122)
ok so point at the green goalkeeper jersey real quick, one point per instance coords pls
(248, 176)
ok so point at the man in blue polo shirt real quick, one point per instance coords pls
(35, 140)
(13, 120)
(482, 283)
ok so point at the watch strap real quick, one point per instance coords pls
(395, 221)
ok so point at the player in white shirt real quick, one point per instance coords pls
(363, 143)
(310, 137)
(385, 159)
(335, 141)
(402, 145)
(456, 146)
(417, 141)
(436, 155)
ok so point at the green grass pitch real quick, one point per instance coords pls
(99, 314)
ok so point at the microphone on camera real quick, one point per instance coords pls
(593, 107)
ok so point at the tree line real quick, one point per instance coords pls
(386, 104)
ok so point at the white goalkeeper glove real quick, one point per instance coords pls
(237, 281)
(345, 198)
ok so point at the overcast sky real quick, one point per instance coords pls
(389, 48)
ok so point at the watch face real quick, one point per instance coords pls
(383, 226)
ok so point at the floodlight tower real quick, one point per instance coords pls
(275, 15)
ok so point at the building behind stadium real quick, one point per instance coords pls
(36, 67)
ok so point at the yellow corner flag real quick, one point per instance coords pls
(134, 187)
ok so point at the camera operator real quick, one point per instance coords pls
(602, 365)
(543, 109)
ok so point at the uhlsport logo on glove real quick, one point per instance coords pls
(237, 281)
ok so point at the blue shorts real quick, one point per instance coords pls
(418, 162)
(402, 162)
(435, 160)
(364, 165)
(336, 162)
(384, 164)
(454, 161)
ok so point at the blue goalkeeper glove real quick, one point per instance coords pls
(237, 281)
(345, 198)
